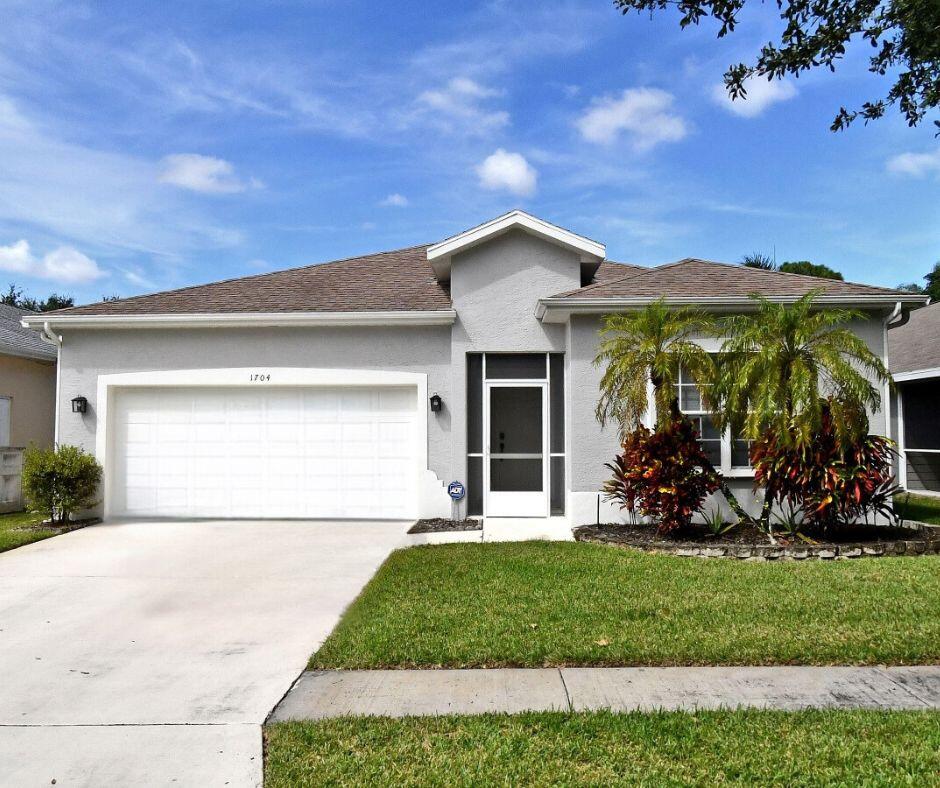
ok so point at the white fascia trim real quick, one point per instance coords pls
(558, 310)
(439, 254)
(917, 374)
(436, 317)
(259, 378)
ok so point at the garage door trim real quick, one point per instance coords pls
(261, 377)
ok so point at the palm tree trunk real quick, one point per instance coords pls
(733, 502)
(764, 521)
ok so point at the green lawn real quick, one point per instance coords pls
(17, 529)
(923, 508)
(707, 748)
(552, 603)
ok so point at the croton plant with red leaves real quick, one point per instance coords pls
(831, 481)
(664, 475)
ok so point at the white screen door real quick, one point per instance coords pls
(516, 448)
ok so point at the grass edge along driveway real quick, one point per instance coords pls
(534, 604)
(20, 528)
(661, 748)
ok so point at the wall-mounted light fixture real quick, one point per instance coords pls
(79, 405)
(436, 403)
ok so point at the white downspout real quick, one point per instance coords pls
(895, 313)
(55, 339)
(902, 460)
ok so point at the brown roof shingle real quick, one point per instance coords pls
(387, 281)
(609, 270)
(692, 278)
(916, 344)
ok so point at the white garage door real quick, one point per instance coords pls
(289, 452)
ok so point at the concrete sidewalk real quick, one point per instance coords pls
(402, 693)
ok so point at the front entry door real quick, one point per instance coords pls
(516, 450)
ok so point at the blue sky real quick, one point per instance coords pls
(145, 146)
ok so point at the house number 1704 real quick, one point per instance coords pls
(260, 377)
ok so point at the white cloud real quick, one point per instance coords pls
(139, 280)
(205, 174)
(395, 200)
(64, 264)
(761, 93)
(646, 113)
(507, 171)
(459, 106)
(918, 165)
(95, 199)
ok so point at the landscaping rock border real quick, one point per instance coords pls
(926, 542)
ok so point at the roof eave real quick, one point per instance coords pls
(435, 317)
(32, 355)
(917, 374)
(558, 310)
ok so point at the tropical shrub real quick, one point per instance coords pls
(60, 481)
(828, 480)
(664, 475)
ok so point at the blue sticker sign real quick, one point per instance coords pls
(456, 490)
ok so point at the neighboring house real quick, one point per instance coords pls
(914, 357)
(27, 398)
(360, 388)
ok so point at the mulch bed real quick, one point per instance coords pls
(439, 525)
(749, 535)
(72, 525)
(748, 543)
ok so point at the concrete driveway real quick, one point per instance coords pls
(150, 652)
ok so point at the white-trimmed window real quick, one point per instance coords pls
(726, 454)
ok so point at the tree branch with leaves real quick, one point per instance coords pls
(903, 34)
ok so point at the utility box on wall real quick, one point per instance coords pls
(11, 479)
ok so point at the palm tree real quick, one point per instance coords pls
(779, 362)
(648, 347)
(645, 349)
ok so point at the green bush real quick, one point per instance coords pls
(58, 482)
(664, 475)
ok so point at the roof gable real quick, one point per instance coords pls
(590, 252)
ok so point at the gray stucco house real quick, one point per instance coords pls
(914, 354)
(360, 388)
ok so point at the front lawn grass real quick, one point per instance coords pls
(537, 604)
(676, 748)
(19, 528)
(922, 508)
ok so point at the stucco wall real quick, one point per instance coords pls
(87, 354)
(31, 385)
(495, 288)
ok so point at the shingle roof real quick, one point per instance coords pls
(387, 281)
(692, 278)
(403, 280)
(916, 344)
(18, 341)
(610, 270)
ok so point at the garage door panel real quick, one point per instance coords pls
(312, 453)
